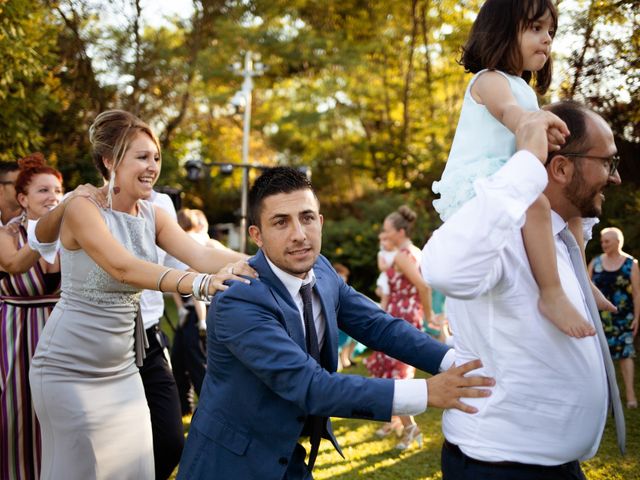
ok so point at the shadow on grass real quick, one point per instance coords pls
(367, 456)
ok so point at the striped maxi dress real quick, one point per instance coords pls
(26, 300)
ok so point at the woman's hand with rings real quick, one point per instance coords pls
(232, 271)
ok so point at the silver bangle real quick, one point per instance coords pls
(204, 286)
(161, 277)
(197, 283)
(179, 280)
(205, 290)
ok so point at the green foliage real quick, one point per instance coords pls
(26, 84)
(366, 93)
(350, 232)
(366, 456)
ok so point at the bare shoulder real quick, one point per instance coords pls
(81, 212)
(490, 78)
(487, 83)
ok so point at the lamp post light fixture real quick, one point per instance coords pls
(196, 171)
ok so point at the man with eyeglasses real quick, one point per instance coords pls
(549, 409)
(9, 207)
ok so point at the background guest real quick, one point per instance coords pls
(29, 288)
(158, 381)
(346, 344)
(188, 353)
(201, 229)
(409, 299)
(385, 258)
(616, 274)
(9, 206)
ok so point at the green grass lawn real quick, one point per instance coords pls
(373, 458)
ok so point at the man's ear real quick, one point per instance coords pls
(256, 235)
(560, 169)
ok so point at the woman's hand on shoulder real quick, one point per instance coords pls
(91, 192)
(231, 271)
(11, 229)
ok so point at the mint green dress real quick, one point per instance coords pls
(481, 146)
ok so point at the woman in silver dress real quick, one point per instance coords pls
(87, 391)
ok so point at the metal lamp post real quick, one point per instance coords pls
(249, 71)
(195, 167)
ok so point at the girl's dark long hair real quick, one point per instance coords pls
(493, 41)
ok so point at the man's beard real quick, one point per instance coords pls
(582, 196)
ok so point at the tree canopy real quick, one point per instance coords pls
(366, 93)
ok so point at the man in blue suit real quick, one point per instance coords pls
(273, 352)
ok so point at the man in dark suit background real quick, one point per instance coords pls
(273, 351)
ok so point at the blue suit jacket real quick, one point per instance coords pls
(261, 384)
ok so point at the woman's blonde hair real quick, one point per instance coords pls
(110, 136)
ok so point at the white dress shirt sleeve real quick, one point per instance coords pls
(462, 258)
(410, 396)
(448, 360)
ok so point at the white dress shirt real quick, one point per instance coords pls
(549, 403)
(409, 396)
(152, 301)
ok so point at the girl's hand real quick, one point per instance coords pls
(533, 130)
(555, 139)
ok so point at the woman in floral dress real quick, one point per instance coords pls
(410, 299)
(616, 274)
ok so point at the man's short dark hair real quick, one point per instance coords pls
(8, 167)
(272, 182)
(574, 114)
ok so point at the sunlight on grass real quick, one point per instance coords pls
(367, 456)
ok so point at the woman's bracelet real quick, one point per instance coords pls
(204, 292)
(197, 283)
(161, 277)
(179, 280)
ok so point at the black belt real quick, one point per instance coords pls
(455, 449)
(153, 329)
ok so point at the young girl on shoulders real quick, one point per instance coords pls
(508, 47)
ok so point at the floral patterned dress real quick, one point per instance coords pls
(404, 302)
(616, 286)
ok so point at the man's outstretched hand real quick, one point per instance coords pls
(447, 388)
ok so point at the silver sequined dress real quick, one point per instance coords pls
(87, 391)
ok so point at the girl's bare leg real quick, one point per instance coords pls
(554, 303)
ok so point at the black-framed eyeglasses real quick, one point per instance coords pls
(613, 161)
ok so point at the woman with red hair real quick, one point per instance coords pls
(29, 288)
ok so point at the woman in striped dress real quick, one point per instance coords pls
(29, 289)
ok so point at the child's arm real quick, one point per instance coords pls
(492, 90)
